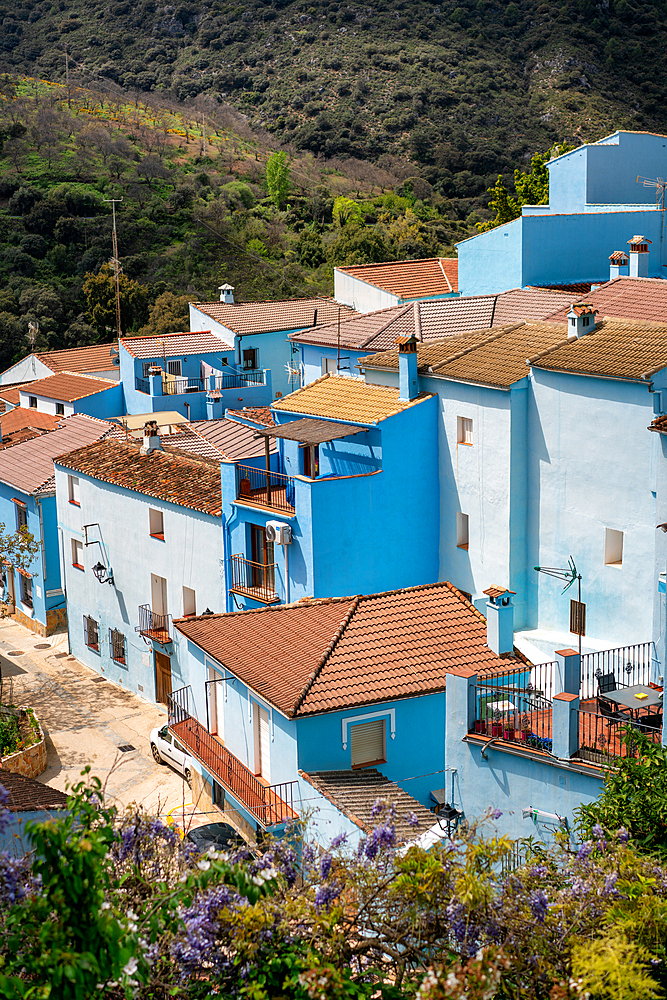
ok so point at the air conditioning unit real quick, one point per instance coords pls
(278, 532)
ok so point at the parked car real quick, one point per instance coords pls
(166, 749)
(221, 836)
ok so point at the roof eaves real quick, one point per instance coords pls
(327, 653)
(444, 274)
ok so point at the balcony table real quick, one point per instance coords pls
(626, 697)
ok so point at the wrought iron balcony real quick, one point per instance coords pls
(263, 488)
(271, 805)
(254, 579)
(154, 626)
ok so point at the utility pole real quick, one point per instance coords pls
(115, 263)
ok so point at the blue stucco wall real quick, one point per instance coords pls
(190, 556)
(108, 403)
(45, 567)
(311, 360)
(492, 262)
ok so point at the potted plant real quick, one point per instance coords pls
(497, 726)
(508, 732)
(480, 725)
(525, 728)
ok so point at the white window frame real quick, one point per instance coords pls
(246, 367)
(145, 366)
(194, 601)
(77, 548)
(73, 491)
(353, 720)
(32, 402)
(175, 367)
(464, 430)
(329, 365)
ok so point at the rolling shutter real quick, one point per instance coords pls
(367, 742)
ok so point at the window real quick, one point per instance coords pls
(464, 430)
(311, 461)
(90, 633)
(462, 530)
(117, 645)
(189, 603)
(21, 514)
(26, 590)
(60, 409)
(367, 741)
(77, 553)
(156, 523)
(218, 795)
(145, 368)
(250, 358)
(174, 367)
(32, 402)
(73, 490)
(613, 547)
(329, 365)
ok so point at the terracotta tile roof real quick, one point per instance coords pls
(18, 437)
(323, 655)
(182, 438)
(434, 320)
(258, 414)
(487, 357)
(340, 397)
(616, 348)
(29, 466)
(268, 317)
(10, 393)
(576, 287)
(410, 279)
(355, 793)
(67, 386)
(178, 479)
(659, 424)
(95, 358)
(626, 298)
(233, 440)
(619, 257)
(172, 344)
(23, 417)
(28, 795)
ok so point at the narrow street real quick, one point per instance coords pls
(86, 719)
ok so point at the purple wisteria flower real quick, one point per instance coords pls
(326, 895)
(325, 866)
(16, 880)
(412, 819)
(623, 835)
(496, 813)
(338, 841)
(538, 905)
(585, 851)
(4, 811)
(201, 930)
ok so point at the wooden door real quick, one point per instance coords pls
(162, 677)
(262, 741)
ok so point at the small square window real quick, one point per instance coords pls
(32, 402)
(174, 367)
(60, 409)
(21, 515)
(250, 358)
(329, 365)
(90, 633)
(156, 523)
(26, 590)
(117, 645)
(189, 602)
(464, 430)
(73, 490)
(613, 547)
(461, 530)
(77, 553)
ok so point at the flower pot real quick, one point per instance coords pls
(496, 729)
(480, 725)
(509, 734)
(525, 735)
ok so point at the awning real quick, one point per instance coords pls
(309, 431)
(163, 418)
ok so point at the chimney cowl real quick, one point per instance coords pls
(581, 319)
(152, 440)
(408, 377)
(226, 293)
(500, 620)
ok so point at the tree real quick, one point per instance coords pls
(278, 178)
(531, 189)
(346, 210)
(358, 244)
(100, 292)
(168, 314)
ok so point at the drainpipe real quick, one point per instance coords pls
(64, 581)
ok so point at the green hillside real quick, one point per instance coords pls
(466, 88)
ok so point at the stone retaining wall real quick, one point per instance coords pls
(30, 762)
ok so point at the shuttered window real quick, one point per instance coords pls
(368, 743)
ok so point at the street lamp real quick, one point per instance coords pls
(577, 609)
(102, 574)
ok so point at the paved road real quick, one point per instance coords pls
(86, 718)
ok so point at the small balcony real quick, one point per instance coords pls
(271, 805)
(253, 579)
(154, 626)
(264, 488)
(177, 385)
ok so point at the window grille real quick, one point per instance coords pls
(90, 633)
(117, 645)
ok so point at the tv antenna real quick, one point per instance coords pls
(659, 183)
(33, 330)
(115, 263)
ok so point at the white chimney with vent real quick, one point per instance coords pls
(151, 438)
(639, 256)
(581, 320)
(500, 620)
(618, 265)
(226, 294)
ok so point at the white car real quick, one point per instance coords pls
(166, 749)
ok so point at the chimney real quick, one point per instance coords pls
(499, 620)
(581, 320)
(151, 438)
(638, 256)
(618, 265)
(226, 294)
(408, 382)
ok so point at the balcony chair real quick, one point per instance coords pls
(610, 712)
(651, 721)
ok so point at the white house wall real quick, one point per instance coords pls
(44, 404)
(350, 291)
(200, 321)
(26, 370)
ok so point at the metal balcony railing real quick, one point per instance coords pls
(143, 385)
(516, 705)
(254, 579)
(154, 626)
(628, 665)
(600, 735)
(265, 488)
(271, 805)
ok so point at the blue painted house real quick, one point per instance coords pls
(27, 499)
(349, 502)
(192, 374)
(66, 393)
(597, 204)
(256, 333)
(546, 459)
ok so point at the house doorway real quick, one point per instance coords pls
(162, 677)
(262, 741)
(216, 701)
(262, 556)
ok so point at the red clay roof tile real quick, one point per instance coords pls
(410, 279)
(68, 387)
(269, 317)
